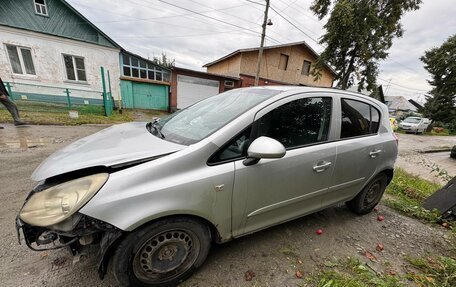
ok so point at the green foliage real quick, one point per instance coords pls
(407, 194)
(436, 271)
(352, 273)
(441, 64)
(358, 35)
(164, 61)
(451, 126)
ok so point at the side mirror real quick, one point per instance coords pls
(264, 147)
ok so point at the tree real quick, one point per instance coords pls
(441, 64)
(358, 35)
(164, 61)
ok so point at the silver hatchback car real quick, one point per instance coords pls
(154, 196)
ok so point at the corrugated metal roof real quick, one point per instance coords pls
(62, 20)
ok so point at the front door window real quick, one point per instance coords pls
(298, 123)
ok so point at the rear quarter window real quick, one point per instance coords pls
(358, 119)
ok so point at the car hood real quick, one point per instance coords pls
(115, 145)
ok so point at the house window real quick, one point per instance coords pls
(75, 68)
(137, 68)
(21, 60)
(40, 7)
(305, 68)
(283, 64)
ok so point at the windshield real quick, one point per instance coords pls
(198, 121)
(412, 120)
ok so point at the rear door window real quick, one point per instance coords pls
(358, 119)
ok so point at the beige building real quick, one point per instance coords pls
(282, 64)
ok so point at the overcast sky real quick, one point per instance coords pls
(148, 27)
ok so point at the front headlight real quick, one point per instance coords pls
(59, 202)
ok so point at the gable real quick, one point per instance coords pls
(306, 49)
(62, 20)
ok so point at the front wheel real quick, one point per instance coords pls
(370, 196)
(163, 253)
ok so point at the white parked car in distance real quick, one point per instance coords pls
(414, 124)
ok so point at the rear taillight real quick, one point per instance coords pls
(396, 138)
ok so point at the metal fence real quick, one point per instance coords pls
(43, 98)
(55, 95)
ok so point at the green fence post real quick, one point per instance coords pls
(111, 98)
(104, 91)
(10, 92)
(67, 92)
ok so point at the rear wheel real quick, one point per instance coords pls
(163, 253)
(370, 196)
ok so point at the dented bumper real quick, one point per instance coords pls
(73, 234)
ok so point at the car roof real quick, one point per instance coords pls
(306, 89)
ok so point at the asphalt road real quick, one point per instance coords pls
(274, 255)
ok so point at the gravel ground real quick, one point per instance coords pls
(437, 167)
(274, 255)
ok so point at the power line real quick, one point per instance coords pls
(231, 15)
(179, 36)
(255, 2)
(215, 19)
(291, 23)
(390, 82)
(151, 20)
(245, 20)
(405, 87)
(303, 11)
(283, 9)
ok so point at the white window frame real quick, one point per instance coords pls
(36, 5)
(229, 83)
(21, 60)
(158, 72)
(75, 70)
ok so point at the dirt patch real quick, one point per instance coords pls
(437, 167)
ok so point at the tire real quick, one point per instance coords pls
(370, 196)
(163, 253)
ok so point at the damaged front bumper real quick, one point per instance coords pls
(74, 234)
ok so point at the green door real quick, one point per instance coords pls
(144, 95)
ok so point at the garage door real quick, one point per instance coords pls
(191, 90)
(144, 95)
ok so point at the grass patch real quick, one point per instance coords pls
(444, 132)
(352, 273)
(433, 271)
(54, 114)
(406, 193)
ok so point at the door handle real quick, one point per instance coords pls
(375, 153)
(322, 166)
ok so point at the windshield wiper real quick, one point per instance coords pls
(154, 124)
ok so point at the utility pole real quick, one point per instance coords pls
(260, 52)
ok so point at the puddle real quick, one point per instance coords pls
(25, 142)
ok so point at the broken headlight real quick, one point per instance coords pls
(59, 202)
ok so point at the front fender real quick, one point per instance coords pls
(172, 185)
